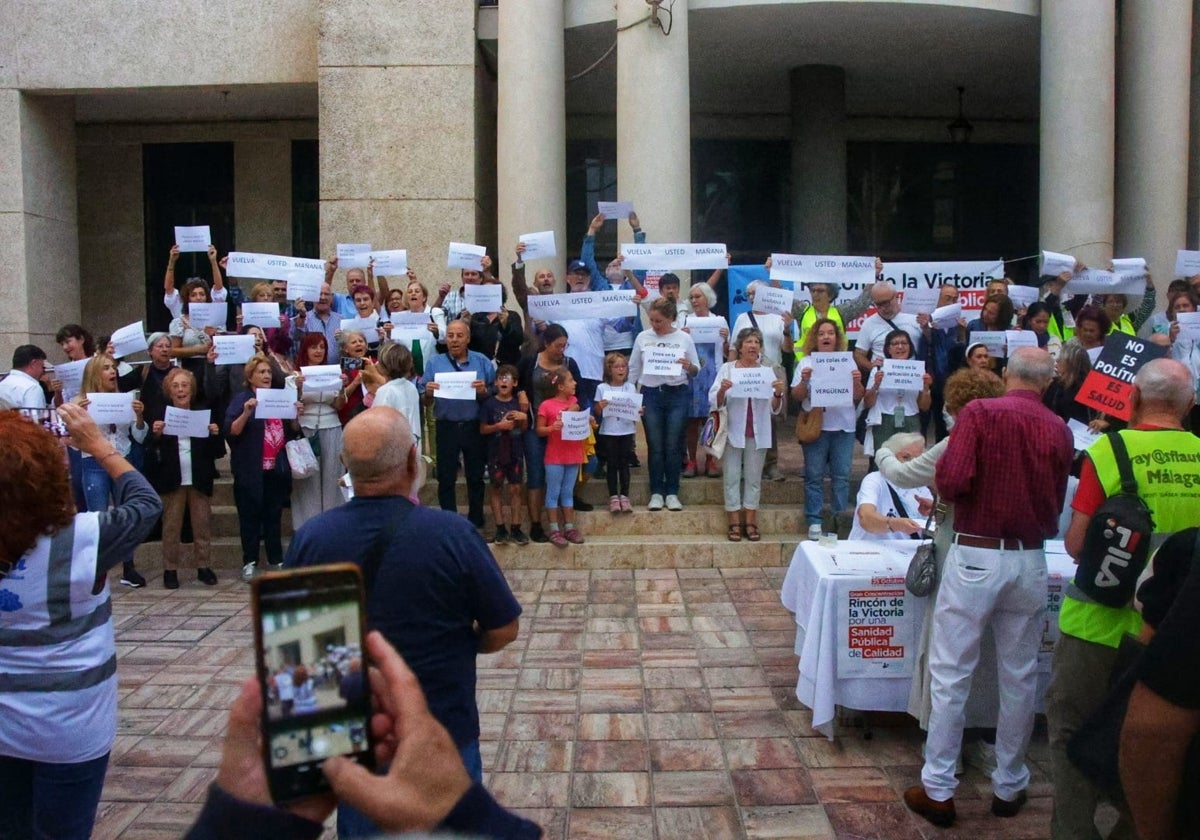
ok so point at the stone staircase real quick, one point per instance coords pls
(692, 538)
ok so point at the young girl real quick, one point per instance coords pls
(563, 457)
(616, 434)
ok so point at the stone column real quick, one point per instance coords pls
(531, 136)
(654, 122)
(1152, 133)
(818, 159)
(262, 195)
(397, 127)
(39, 233)
(1077, 132)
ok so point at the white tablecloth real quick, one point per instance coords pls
(872, 669)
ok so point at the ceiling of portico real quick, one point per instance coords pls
(901, 59)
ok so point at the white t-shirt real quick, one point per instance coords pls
(874, 330)
(585, 344)
(646, 339)
(835, 418)
(402, 395)
(770, 325)
(874, 491)
(615, 425)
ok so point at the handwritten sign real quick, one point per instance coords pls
(752, 383)
(390, 263)
(179, 422)
(265, 315)
(355, 255)
(70, 374)
(369, 327)
(275, 404)
(576, 425)
(483, 298)
(456, 385)
(464, 256)
(201, 315)
(846, 272)
(904, 374)
(233, 349)
(832, 383)
(107, 409)
(706, 330)
(1187, 263)
(321, 377)
(128, 340)
(1022, 296)
(538, 246)
(193, 239)
(682, 256)
(1014, 339)
(1189, 325)
(624, 407)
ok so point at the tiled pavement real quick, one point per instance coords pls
(635, 704)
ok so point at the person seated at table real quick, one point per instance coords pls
(886, 512)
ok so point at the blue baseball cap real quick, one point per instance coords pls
(578, 265)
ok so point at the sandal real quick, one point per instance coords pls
(752, 533)
(735, 533)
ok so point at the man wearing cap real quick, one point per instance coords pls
(23, 387)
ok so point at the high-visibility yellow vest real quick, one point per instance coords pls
(1123, 324)
(808, 318)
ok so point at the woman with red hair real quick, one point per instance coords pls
(58, 695)
(319, 421)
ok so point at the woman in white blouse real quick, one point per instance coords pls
(749, 434)
(319, 421)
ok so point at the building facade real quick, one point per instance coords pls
(782, 125)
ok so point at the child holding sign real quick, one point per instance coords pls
(502, 419)
(616, 433)
(563, 457)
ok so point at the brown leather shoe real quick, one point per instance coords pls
(1004, 808)
(940, 814)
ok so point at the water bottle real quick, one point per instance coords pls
(814, 532)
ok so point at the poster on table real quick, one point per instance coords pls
(876, 631)
(1109, 385)
(624, 407)
(193, 239)
(576, 425)
(831, 384)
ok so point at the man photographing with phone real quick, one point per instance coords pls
(433, 588)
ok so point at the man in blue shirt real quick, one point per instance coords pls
(457, 421)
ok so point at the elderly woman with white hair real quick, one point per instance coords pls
(884, 511)
(712, 355)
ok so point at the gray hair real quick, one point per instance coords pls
(903, 440)
(345, 339)
(707, 291)
(1075, 361)
(1032, 365)
(883, 286)
(1166, 382)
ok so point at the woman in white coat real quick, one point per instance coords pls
(749, 433)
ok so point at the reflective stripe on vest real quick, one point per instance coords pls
(1166, 464)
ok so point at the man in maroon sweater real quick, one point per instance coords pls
(1005, 470)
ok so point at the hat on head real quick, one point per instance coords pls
(578, 265)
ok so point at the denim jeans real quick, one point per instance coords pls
(665, 421)
(535, 460)
(353, 823)
(38, 799)
(832, 452)
(560, 486)
(97, 486)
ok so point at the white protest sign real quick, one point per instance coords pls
(772, 300)
(275, 404)
(70, 374)
(1022, 296)
(752, 383)
(407, 333)
(265, 315)
(457, 385)
(369, 327)
(538, 246)
(681, 256)
(918, 301)
(129, 339)
(576, 305)
(614, 209)
(1084, 437)
(1054, 264)
(831, 385)
(904, 374)
(106, 409)
(846, 272)
(354, 255)
(576, 425)
(408, 318)
(321, 377)
(1131, 269)
(483, 298)
(390, 263)
(1189, 325)
(179, 422)
(233, 349)
(962, 274)
(1014, 339)
(1099, 281)
(624, 407)
(876, 632)
(1187, 263)
(993, 340)
(464, 256)
(304, 285)
(662, 361)
(201, 315)
(275, 267)
(947, 317)
(193, 239)
(705, 330)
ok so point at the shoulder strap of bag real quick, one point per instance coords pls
(903, 511)
(754, 320)
(374, 556)
(1128, 480)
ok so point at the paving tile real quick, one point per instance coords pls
(540, 726)
(693, 787)
(686, 755)
(791, 822)
(615, 700)
(761, 753)
(680, 726)
(154, 751)
(853, 784)
(876, 819)
(612, 727)
(610, 824)
(673, 678)
(678, 700)
(610, 790)
(113, 817)
(534, 756)
(751, 724)
(549, 678)
(719, 823)
(772, 787)
(611, 756)
(531, 790)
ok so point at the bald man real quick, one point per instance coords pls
(433, 589)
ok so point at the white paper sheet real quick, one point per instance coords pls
(456, 385)
(483, 298)
(193, 239)
(353, 255)
(179, 422)
(705, 330)
(662, 361)
(681, 256)
(1187, 263)
(369, 327)
(624, 407)
(903, 374)
(321, 377)
(1054, 264)
(265, 315)
(772, 299)
(576, 425)
(1014, 339)
(1084, 437)
(391, 263)
(275, 404)
(129, 339)
(993, 340)
(831, 384)
(538, 246)
(947, 317)
(576, 305)
(1022, 296)
(1098, 281)
(233, 349)
(465, 256)
(201, 315)
(1189, 325)
(615, 210)
(917, 301)
(752, 383)
(846, 271)
(106, 409)
(70, 374)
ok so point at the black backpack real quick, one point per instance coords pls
(1117, 543)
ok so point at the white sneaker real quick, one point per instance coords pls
(673, 502)
(656, 502)
(248, 571)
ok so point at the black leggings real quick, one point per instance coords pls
(618, 450)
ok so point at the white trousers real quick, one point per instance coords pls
(981, 587)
